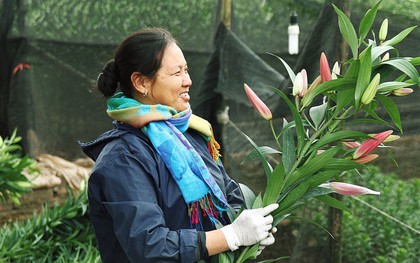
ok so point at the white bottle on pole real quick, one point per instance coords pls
(293, 31)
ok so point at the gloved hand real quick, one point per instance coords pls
(267, 241)
(251, 226)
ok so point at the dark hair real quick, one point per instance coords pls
(141, 51)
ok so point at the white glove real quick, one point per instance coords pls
(251, 226)
(267, 241)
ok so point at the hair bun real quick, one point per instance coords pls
(107, 81)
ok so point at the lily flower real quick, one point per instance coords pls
(370, 144)
(258, 104)
(314, 84)
(348, 189)
(367, 158)
(390, 138)
(300, 84)
(325, 70)
(335, 71)
(401, 92)
(371, 90)
(383, 31)
(351, 145)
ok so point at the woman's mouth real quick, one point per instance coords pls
(185, 96)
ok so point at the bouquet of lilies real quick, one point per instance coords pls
(318, 145)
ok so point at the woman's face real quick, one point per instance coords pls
(172, 82)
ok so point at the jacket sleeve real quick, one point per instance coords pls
(126, 188)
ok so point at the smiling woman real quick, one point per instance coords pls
(158, 191)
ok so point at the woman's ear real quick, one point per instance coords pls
(138, 80)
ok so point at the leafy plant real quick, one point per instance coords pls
(320, 144)
(62, 233)
(12, 181)
(392, 234)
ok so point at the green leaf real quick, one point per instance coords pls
(404, 66)
(278, 219)
(300, 132)
(266, 165)
(367, 22)
(363, 78)
(392, 110)
(257, 202)
(333, 202)
(348, 31)
(255, 153)
(319, 178)
(344, 98)
(342, 165)
(273, 260)
(248, 194)
(353, 69)
(335, 84)
(399, 37)
(250, 253)
(317, 191)
(317, 114)
(274, 185)
(366, 120)
(337, 136)
(288, 68)
(375, 115)
(281, 213)
(227, 256)
(289, 148)
(377, 51)
(312, 165)
(415, 61)
(294, 195)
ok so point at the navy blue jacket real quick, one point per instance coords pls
(136, 208)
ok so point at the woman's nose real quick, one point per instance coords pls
(187, 80)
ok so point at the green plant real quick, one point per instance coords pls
(385, 240)
(12, 181)
(321, 143)
(384, 235)
(62, 233)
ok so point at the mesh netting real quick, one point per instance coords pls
(51, 51)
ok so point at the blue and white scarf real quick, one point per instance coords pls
(164, 126)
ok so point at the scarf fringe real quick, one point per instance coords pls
(214, 148)
(205, 207)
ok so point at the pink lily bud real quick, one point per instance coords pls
(367, 158)
(325, 70)
(335, 71)
(300, 84)
(351, 145)
(258, 104)
(348, 189)
(401, 92)
(314, 84)
(390, 138)
(370, 144)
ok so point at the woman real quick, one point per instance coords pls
(158, 190)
